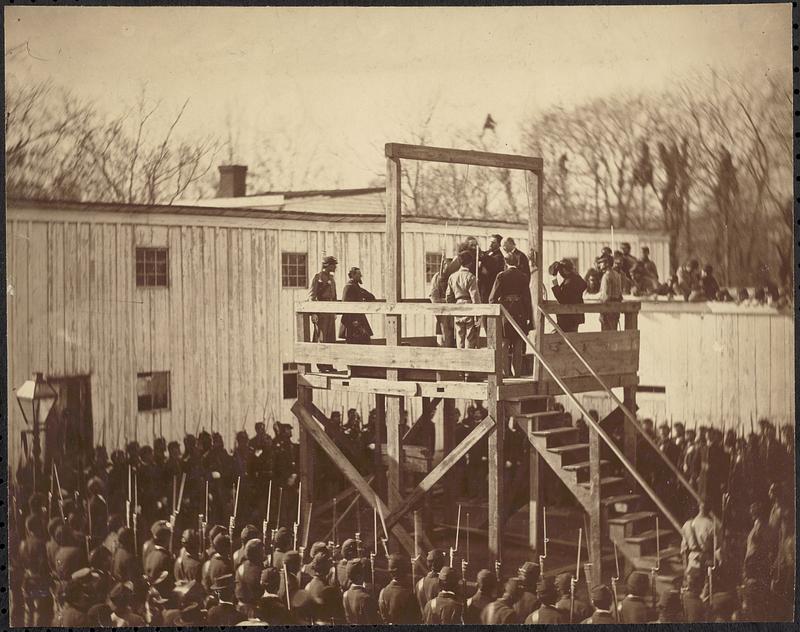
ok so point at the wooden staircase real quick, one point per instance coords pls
(628, 517)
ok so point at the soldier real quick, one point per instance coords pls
(291, 559)
(72, 614)
(354, 328)
(326, 599)
(670, 609)
(359, 605)
(634, 607)
(159, 560)
(248, 533)
(462, 288)
(528, 601)
(510, 290)
(284, 454)
(396, 601)
(282, 544)
(307, 572)
(220, 563)
(547, 613)
(97, 508)
(122, 615)
(188, 565)
(694, 607)
(248, 577)
(323, 288)
(445, 333)
(125, 566)
(486, 583)
(349, 552)
(428, 586)
(602, 601)
(568, 292)
(36, 584)
(444, 608)
(501, 611)
(271, 610)
(580, 609)
(151, 541)
(224, 613)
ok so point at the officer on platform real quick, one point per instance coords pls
(323, 288)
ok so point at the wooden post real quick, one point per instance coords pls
(448, 443)
(595, 516)
(536, 497)
(630, 438)
(496, 457)
(535, 239)
(380, 421)
(305, 396)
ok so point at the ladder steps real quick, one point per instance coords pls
(583, 464)
(572, 447)
(606, 480)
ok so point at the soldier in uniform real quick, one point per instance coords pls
(501, 611)
(396, 601)
(326, 598)
(36, 584)
(97, 508)
(248, 577)
(349, 552)
(220, 563)
(159, 560)
(188, 565)
(602, 601)
(359, 605)
(249, 532)
(528, 601)
(487, 583)
(224, 613)
(547, 613)
(580, 609)
(323, 288)
(510, 290)
(271, 610)
(428, 587)
(635, 607)
(444, 608)
(125, 566)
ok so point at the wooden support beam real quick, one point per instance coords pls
(305, 417)
(536, 241)
(587, 383)
(398, 151)
(477, 433)
(536, 498)
(400, 388)
(305, 396)
(398, 308)
(448, 426)
(380, 423)
(428, 408)
(496, 462)
(595, 516)
(395, 357)
(629, 438)
(626, 307)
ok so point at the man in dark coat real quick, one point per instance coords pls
(492, 263)
(520, 259)
(359, 605)
(528, 601)
(159, 560)
(248, 577)
(188, 565)
(36, 583)
(568, 292)
(602, 601)
(224, 613)
(354, 328)
(428, 587)
(547, 612)
(580, 609)
(501, 611)
(444, 608)
(486, 582)
(323, 288)
(98, 511)
(271, 610)
(220, 563)
(349, 552)
(326, 599)
(635, 607)
(396, 603)
(511, 291)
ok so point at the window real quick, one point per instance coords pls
(294, 269)
(433, 263)
(152, 391)
(289, 380)
(152, 267)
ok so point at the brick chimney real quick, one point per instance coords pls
(232, 181)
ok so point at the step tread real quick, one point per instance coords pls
(605, 480)
(582, 464)
(569, 448)
(632, 516)
(644, 536)
(553, 431)
(541, 413)
(620, 498)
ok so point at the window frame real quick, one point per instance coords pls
(292, 272)
(155, 278)
(154, 408)
(289, 369)
(430, 255)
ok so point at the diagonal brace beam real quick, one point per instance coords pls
(351, 473)
(478, 432)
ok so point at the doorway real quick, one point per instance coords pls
(69, 432)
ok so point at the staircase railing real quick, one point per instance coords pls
(631, 417)
(592, 423)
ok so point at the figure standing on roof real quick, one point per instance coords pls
(323, 288)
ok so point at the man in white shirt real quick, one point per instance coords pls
(462, 287)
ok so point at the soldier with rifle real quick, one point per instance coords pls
(428, 586)
(396, 602)
(528, 602)
(501, 611)
(602, 601)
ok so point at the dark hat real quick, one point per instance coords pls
(397, 563)
(563, 582)
(74, 593)
(120, 595)
(670, 601)
(188, 592)
(254, 550)
(189, 616)
(552, 269)
(223, 582)
(625, 244)
(161, 533)
(447, 576)
(435, 554)
(249, 532)
(189, 538)
(638, 584)
(351, 272)
(157, 526)
(603, 259)
(291, 558)
(546, 590)
(95, 485)
(270, 576)
(222, 544)
(605, 250)
(513, 585)
(497, 237)
(214, 531)
(329, 260)
(355, 568)
(486, 579)
(349, 548)
(321, 564)
(319, 547)
(601, 596)
(529, 570)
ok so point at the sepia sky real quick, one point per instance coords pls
(350, 79)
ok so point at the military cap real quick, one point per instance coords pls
(670, 601)
(250, 532)
(638, 584)
(546, 587)
(253, 545)
(189, 616)
(603, 259)
(95, 485)
(223, 582)
(121, 594)
(486, 579)
(270, 577)
(291, 557)
(352, 271)
(321, 564)
(552, 269)
(601, 596)
(529, 570)
(214, 531)
(189, 537)
(222, 544)
(447, 575)
(319, 547)
(435, 554)
(157, 526)
(329, 260)
(624, 244)
(349, 547)
(355, 567)
(397, 562)
(497, 237)
(563, 582)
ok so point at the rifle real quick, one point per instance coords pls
(614, 581)
(280, 502)
(416, 553)
(375, 528)
(497, 569)
(334, 533)
(296, 525)
(654, 570)
(286, 581)
(453, 549)
(574, 580)
(385, 537)
(710, 569)
(546, 540)
(206, 514)
(89, 534)
(128, 501)
(372, 568)
(60, 493)
(202, 533)
(235, 507)
(175, 511)
(307, 530)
